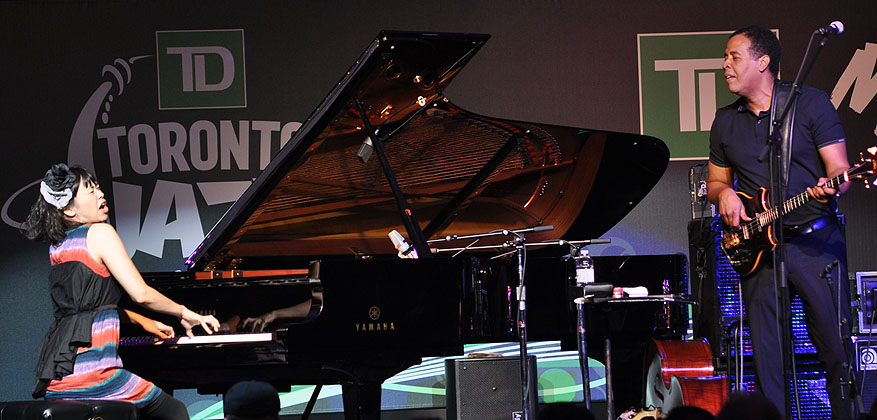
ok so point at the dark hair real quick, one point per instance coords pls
(688, 412)
(764, 41)
(251, 400)
(45, 222)
(750, 406)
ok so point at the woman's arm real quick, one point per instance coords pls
(149, 325)
(106, 247)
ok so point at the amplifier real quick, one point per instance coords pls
(715, 283)
(488, 388)
(700, 206)
(866, 367)
(866, 288)
(811, 390)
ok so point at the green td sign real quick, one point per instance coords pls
(681, 85)
(201, 69)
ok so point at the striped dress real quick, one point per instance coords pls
(79, 355)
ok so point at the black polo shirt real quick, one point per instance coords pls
(738, 137)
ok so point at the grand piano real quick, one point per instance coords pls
(300, 269)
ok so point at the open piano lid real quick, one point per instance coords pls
(461, 173)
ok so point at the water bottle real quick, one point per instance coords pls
(584, 267)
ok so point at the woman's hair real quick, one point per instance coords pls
(47, 222)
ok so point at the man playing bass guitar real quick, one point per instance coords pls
(813, 237)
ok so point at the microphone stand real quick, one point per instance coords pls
(521, 250)
(518, 242)
(574, 248)
(520, 247)
(781, 286)
(848, 384)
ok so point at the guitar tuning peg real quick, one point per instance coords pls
(872, 150)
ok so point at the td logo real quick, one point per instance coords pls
(681, 86)
(201, 69)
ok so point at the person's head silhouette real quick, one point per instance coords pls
(251, 400)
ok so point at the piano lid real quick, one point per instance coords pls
(461, 173)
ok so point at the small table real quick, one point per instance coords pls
(583, 347)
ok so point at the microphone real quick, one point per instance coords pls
(405, 249)
(365, 150)
(534, 229)
(828, 269)
(833, 28)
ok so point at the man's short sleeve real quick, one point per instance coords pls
(824, 124)
(717, 150)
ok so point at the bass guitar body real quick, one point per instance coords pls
(747, 247)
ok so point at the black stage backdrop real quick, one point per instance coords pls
(81, 84)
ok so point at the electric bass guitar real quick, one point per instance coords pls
(745, 246)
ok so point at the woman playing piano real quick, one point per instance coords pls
(78, 357)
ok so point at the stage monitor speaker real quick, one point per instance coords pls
(488, 388)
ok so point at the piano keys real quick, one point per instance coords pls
(213, 339)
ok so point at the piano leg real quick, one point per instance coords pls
(362, 401)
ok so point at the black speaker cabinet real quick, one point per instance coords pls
(488, 388)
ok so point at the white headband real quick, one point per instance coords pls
(59, 199)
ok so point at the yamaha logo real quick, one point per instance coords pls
(374, 313)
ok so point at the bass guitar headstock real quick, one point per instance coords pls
(865, 168)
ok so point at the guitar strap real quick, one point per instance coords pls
(781, 92)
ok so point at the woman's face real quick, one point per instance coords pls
(89, 205)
